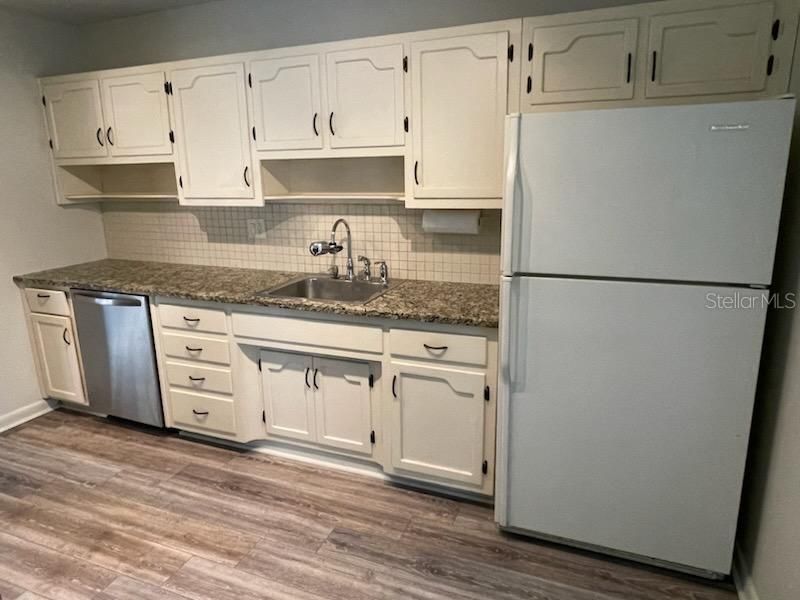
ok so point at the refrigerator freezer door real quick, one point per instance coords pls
(682, 193)
(629, 413)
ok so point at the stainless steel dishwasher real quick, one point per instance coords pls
(119, 361)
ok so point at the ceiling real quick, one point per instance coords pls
(79, 12)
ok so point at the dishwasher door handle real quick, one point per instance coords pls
(100, 301)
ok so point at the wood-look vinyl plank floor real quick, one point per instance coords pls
(92, 509)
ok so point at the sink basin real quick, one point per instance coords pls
(328, 289)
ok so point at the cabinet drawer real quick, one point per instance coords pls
(446, 347)
(200, 378)
(192, 319)
(49, 302)
(198, 411)
(194, 347)
(308, 333)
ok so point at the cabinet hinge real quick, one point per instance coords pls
(511, 53)
(529, 87)
(405, 124)
(250, 80)
(166, 88)
(405, 64)
(371, 437)
(259, 364)
(264, 416)
(44, 101)
(371, 380)
(770, 64)
(51, 144)
(254, 133)
(171, 136)
(486, 394)
(485, 467)
(776, 29)
(180, 181)
(530, 52)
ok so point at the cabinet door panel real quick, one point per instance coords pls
(58, 357)
(286, 103)
(718, 51)
(438, 421)
(75, 119)
(137, 115)
(288, 400)
(342, 399)
(212, 132)
(583, 62)
(459, 95)
(365, 97)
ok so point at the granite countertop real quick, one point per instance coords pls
(428, 301)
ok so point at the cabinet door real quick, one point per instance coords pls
(75, 119)
(286, 103)
(342, 399)
(365, 97)
(583, 62)
(212, 132)
(717, 51)
(438, 421)
(288, 395)
(459, 94)
(137, 116)
(58, 357)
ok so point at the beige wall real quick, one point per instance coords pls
(769, 537)
(34, 232)
(241, 25)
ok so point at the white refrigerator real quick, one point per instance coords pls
(638, 247)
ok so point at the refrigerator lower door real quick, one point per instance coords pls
(679, 193)
(629, 408)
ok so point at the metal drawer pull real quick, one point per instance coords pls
(189, 320)
(316, 387)
(314, 125)
(64, 337)
(108, 136)
(246, 180)
(42, 295)
(196, 378)
(330, 124)
(308, 385)
(98, 134)
(435, 348)
(200, 413)
(190, 349)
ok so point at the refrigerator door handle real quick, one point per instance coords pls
(512, 160)
(503, 404)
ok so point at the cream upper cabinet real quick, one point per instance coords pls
(343, 409)
(75, 118)
(287, 104)
(54, 343)
(209, 106)
(717, 51)
(136, 115)
(438, 421)
(288, 395)
(580, 62)
(365, 97)
(459, 89)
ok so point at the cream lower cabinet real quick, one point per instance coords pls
(318, 400)
(57, 354)
(438, 421)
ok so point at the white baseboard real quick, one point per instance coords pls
(741, 576)
(25, 413)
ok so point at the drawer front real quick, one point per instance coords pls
(445, 347)
(188, 318)
(195, 347)
(200, 378)
(201, 412)
(49, 302)
(321, 334)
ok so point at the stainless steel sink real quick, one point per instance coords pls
(329, 289)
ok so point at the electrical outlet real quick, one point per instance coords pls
(256, 230)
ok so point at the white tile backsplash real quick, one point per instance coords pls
(218, 237)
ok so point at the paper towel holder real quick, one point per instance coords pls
(462, 222)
